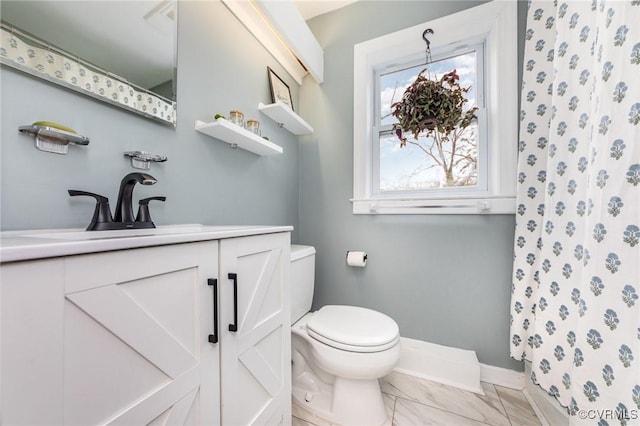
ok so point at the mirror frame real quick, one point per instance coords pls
(67, 70)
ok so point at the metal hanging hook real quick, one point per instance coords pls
(428, 49)
(424, 36)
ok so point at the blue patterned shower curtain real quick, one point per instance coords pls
(575, 308)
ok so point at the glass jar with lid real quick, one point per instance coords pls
(253, 126)
(236, 117)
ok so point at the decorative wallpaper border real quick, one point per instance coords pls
(28, 54)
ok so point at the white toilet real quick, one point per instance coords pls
(338, 352)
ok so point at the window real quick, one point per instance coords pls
(429, 163)
(473, 172)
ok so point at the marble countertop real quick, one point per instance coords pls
(40, 244)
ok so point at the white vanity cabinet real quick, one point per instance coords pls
(123, 337)
(255, 359)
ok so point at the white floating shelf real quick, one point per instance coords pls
(285, 117)
(238, 137)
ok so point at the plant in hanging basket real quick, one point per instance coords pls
(432, 107)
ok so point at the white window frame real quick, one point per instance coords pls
(496, 24)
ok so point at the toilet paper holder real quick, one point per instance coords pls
(356, 258)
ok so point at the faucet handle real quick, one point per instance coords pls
(102, 212)
(143, 209)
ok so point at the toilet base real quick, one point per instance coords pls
(346, 402)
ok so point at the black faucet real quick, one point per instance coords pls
(124, 205)
(124, 219)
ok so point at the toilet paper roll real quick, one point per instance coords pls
(357, 258)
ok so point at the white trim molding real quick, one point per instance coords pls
(282, 30)
(460, 205)
(502, 377)
(547, 408)
(450, 366)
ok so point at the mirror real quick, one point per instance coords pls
(121, 52)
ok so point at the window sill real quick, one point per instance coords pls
(495, 205)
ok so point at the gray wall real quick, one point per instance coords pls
(220, 67)
(444, 279)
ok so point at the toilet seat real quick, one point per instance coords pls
(353, 329)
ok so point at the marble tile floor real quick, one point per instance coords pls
(413, 401)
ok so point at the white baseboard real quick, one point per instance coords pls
(547, 408)
(536, 408)
(441, 364)
(502, 377)
(453, 367)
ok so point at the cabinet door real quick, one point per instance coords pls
(136, 326)
(31, 350)
(256, 359)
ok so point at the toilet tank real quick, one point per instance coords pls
(303, 265)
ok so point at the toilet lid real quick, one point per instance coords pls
(351, 328)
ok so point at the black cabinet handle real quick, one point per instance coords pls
(234, 326)
(213, 338)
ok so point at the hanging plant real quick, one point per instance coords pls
(432, 106)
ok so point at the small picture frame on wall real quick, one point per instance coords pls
(279, 89)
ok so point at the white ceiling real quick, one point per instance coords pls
(312, 8)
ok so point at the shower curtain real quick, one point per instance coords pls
(575, 312)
